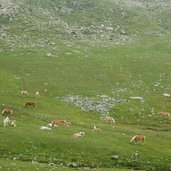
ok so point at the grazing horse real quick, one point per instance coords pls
(13, 123)
(24, 93)
(7, 112)
(37, 94)
(6, 121)
(109, 119)
(45, 128)
(96, 129)
(79, 135)
(164, 114)
(56, 123)
(138, 138)
(30, 104)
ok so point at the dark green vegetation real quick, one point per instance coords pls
(70, 48)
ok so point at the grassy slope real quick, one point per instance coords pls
(87, 71)
(71, 75)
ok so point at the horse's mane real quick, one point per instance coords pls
(133, 138)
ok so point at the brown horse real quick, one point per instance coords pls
(7, 112)
(167, 114)
(138, 138)
(56, 123)
(30, 104)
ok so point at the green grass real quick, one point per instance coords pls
(141, 68)
(17, 165)
(88, 76)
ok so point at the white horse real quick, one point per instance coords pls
(45, 128)
(13, 123)
(6, 121)
(79, 135)
(109, 119)
(37, 94)
(96, 129)
(24, 93)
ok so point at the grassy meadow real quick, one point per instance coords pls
(86, 58)
(140, 69)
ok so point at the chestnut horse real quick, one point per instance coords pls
(6, 112)
(56, 123)
(164, 114)
(30, 104)
(138, 138)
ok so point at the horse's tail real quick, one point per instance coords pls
(26, 105)
(133, 138)
(113, 120)
(53, 124)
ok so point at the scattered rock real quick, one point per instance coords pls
(166, 94)
(100, 104)
(115, 157)
(49, 54)
(137, 98)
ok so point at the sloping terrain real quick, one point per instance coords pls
(104, 22)
(86, 58)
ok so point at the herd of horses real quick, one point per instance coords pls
(55, 123)
(7, 113)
